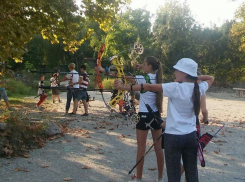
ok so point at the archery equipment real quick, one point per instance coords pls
(203, 141)
(206, 138)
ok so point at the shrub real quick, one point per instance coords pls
(20, 136)
(108, 83)
(14, 88)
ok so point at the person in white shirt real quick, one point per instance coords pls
(72, 88)
(153, 74)
(180, 137)
(54, 83)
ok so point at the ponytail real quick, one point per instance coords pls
(159, 98)
(196, 99)
(157, 67)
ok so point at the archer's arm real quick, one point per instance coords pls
(146, 87)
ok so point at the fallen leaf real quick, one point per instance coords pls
(86, 167)
(20, 169)
(67, 179)
(152, 168)
(26, 155)
(44, 166)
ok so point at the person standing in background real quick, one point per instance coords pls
(72, 88)
(54, 81)
(41, 92)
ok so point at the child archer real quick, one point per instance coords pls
(41, 92)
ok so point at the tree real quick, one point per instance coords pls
(55, 20)
(174, 33)
(131, 27)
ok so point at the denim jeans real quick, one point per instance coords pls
(69, 96)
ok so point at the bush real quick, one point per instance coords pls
(15, 88)
(20, 136)
(108, 83)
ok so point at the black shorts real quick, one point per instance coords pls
(147, 121)
(55, 91)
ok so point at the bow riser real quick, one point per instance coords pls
(120, 72)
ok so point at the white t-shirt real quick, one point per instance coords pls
(73, 77)
(54, 82)
(147, 97)
(181, 118)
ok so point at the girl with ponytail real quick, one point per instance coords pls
(153, 75)
(180, 137)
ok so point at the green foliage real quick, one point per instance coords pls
(18, 88)
(174, 33)
(29, 66)
(56, 20)
(108, 83)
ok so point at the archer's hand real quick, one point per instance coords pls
(138, 66)
(99, 69)
(118, 84)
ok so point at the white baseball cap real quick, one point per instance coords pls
(187, 66)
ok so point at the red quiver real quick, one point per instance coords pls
(205, 139)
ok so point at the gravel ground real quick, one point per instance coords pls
(96, 149)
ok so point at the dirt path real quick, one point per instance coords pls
(95, 150)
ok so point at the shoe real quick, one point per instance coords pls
(11, 109)
(60, 101)
(72, 114)
(84, 114)
(135, 180)
(39, 108)
(159, 179)
(53, 102)
(205, 122)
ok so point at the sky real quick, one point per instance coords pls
(205, 12)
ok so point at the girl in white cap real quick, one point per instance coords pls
(183, 108)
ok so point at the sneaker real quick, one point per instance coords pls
(159, 179)
(135, 180)
(205, 122)
(72, 114)
(39, 108)
(84, 114)
(11, 109)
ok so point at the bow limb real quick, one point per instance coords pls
(98, 75)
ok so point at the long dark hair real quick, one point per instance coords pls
(156, 66)
(196, 99)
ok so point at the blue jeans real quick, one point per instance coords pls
(69, 96)
(3, 94)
